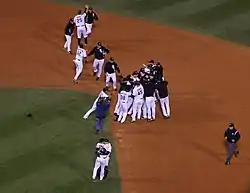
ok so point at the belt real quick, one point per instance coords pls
(81, 26)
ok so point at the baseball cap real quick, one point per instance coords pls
(112, 59)
(99, 43)
(231, 124)
(151, 61)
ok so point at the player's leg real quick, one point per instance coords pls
(120, 112)
(78, 70)
(125, 112)
(163, 107)
(107, 79)
(66, 42)
(117, 104)
(69, 43)
(129, 105)
(139, 109)
(167, 106)
(96, 166)
(134, 111)
(85, 35)
(99, 73)
(106, 169)
(148, 104)
(95, 65)
(92, 109)
(103, 164)
(144, 109)
(79, 35)
(113, 77)
(153, 106)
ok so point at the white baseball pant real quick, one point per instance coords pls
(97, 66)
(81, 32)
(150, 102)
(79, 67)
(117, 106)
(123, 112)
(130, 103)
(137, 109)
(165, 107)
(89, 28)
(100, 162)
(109, 77)
(67, 44)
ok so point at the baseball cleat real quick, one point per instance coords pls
(132, 121)
(227, 163)
(75, 81)
(97, 78)
(94, 73)
(70, 52)
(149, 120)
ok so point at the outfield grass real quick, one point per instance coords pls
(54, 151)
(227, 19)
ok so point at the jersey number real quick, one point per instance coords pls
(140, 92)
(79, 52)
(79, 20)
(123, 97)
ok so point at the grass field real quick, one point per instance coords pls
(54, 151)
(227, 19)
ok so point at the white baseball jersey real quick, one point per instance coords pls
(107, 146)
(80, 53)
(138, 92)
(79, 20)
(102, 94)
(124, 96)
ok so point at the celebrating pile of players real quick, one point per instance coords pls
(139, 93)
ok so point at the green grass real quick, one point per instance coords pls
(228, 19)
(54, 151)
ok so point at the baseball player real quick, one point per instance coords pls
(123, 85)
(149, 89)
(91, 16)
(232, 136)
(78, 61)
(99, 53)
(137, 94)
(103, 93)
(162, 88)
(123, 109)
(103, 151)
(79, 21)
(69, 29)
(102, 106)
(110, 69)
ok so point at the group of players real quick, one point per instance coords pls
(139, 93)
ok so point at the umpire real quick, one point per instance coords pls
(232, 136)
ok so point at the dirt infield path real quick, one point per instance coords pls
(209, 82)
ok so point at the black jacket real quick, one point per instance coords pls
(90, 17)
(69, 29)
(99, 53)
(111, 67)
(232, 135)
(162, 87)
(149, 89)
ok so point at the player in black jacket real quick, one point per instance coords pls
(110, 69)
(162, 88)
(99, 52)
(232, 136)
(68, 32)
(149, 89)
(90, 18)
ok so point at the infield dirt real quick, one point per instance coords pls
(209, 86)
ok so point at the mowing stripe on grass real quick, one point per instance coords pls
(42, 181)
(219, 13)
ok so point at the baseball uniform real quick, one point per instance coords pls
(78, 61)
(110, 69)
(69, 29)
(162, 89)
(123, 110)
(137, 93)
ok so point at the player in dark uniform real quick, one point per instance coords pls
(90, 18)
(110, 69)
(162, 90)
(99, 52)
(232, 136)
(68, 32)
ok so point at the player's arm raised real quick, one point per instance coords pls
(91, 52)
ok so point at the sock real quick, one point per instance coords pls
(79, 41)
(86, 41)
